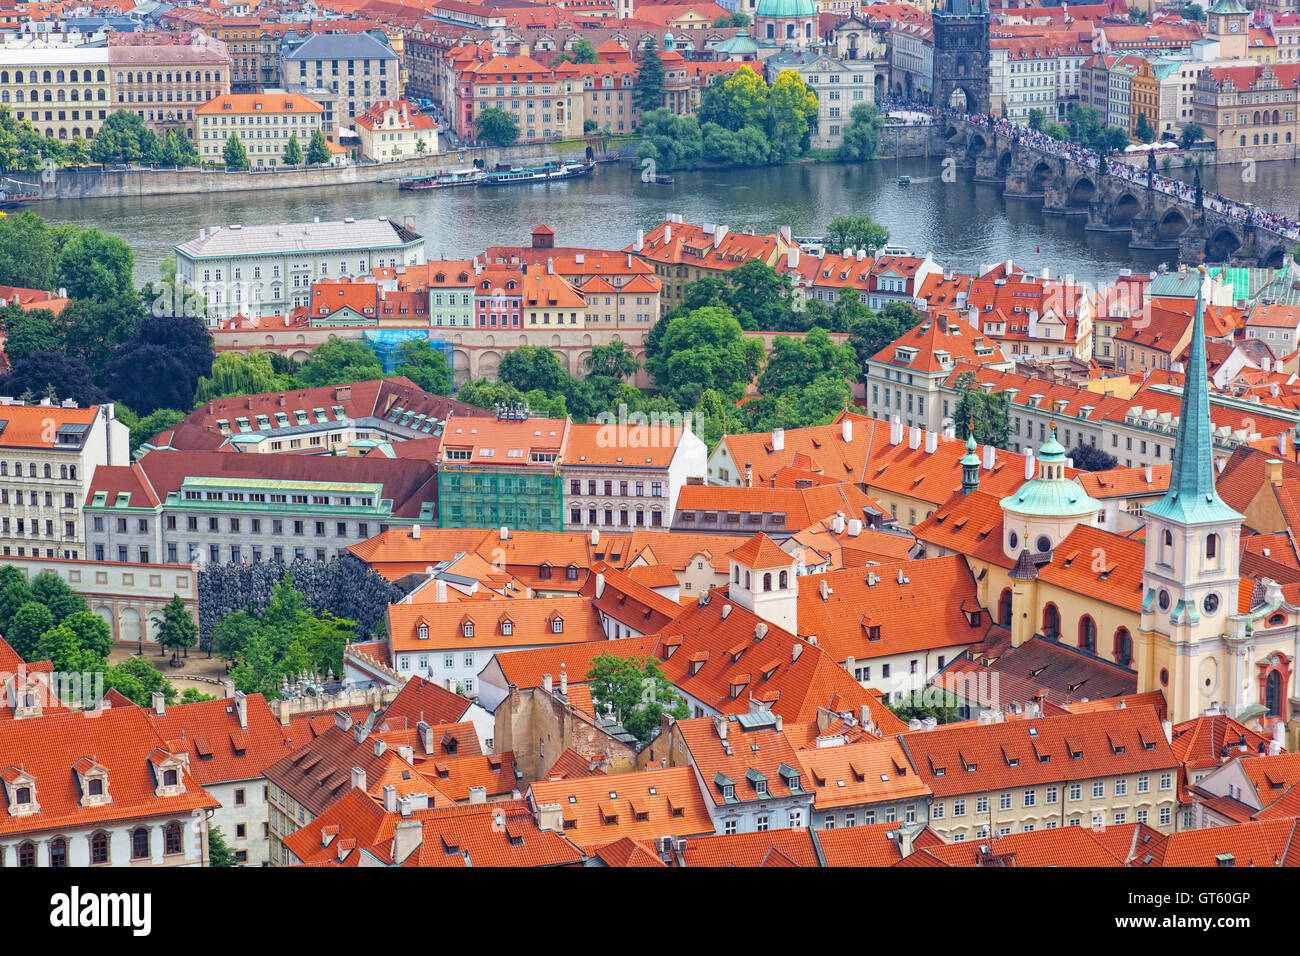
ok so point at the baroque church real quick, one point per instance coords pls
(1167, 602)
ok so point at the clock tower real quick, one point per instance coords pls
(1229, 23)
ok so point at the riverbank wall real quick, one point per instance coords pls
(99, 183)
(906, 141)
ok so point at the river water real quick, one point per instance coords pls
(964, 224)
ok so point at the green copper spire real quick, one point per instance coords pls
(1192, 498)
(970, 467)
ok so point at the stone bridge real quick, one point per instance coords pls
(1107, 202)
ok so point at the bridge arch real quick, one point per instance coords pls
(1172, 224)
(975, 145)
(1223, 242)
(1272, 259)
(1082, 191)
(1039, 176)
(1125, 208)
(1004, 165)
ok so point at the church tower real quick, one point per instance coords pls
(1190, 576)
(764, 580)
(961, 55)
(1229, 23)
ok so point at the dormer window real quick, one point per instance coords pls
(23, 795)
(557, 625)
(170, 778)
(424, 632)
(507, 627)
(544, 572)
(571, 573)
(467, 628)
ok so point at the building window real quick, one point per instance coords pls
(140, 843)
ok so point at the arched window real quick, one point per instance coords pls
(1273, 693)
(27, 854)
(63, 472)
(1051, 622)
(767, 581)
(748, 586)
(99, 847)
(31, 469)
(47, 471)
(1166, 547)
(735, 575)
(58, 852)
(784, 580)
(1004, 608)
(1087, 634)
(1212, 547)
(172, 838)
(1123, 647)
(140, 843)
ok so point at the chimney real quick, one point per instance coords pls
(595, 537)
(546, 683)
(478, 794)
(440, 591)
(1029, 464)
(550, 816)
(846, 429)
(407, 837)
(1273, 471)
(795, 651)
(895, 431)
(931, 442)
(719, 234)
(415, 532)
(550, 266)
(408, 222)
(792, 257)
(720, 726)
(914, 438)
(159, 703)
(505, 533)
(425, 733)
(904, 842)
(407, 753)
(241, 709)
(640, 241)
(390, 798)
(778, 439)
(564, 681)
(358, 779)
(1283, 445)
(749, 474)
(990, 457)
(1168, 727)
(381, 746)
(1149, 474)
(668, 233)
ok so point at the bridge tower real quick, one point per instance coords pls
(961, 55)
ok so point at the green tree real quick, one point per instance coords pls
(583, 52)
(1056, 131)
(1036, 118)
(486, 394)
(649, 92)
(1194, 12)
(234, 154)
(293, 152)
(52, 591)
(178, 628)
(137, 679)
(219, 853)
(1085, 124)
(1142, 129)
(94, 266)
(78, 153)
(1190, 135)
(425, 366)
(795, 363)
(28, 332)
(91, 329)
(529, 367)
(704, 350)
(494, 127)
(748, 146)
(986, 413)
(339, 362)
(123, 138)
(179, 150)
(855, 232)
(1137, 15)
(636, 691)
(862, 134)
(29, 249)
(1092, 458)
(740, 100)
(318, 149)
(26, 627)
(670, 141)
(758, 295)
(240, 373)
(793, 109)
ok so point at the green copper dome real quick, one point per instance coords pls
(786, 8)
(970, 458)
(1228, 6)
(1051, 494)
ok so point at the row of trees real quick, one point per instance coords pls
(235, 154)
(741, 122)
(48, 621)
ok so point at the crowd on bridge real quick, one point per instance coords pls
(1232, 208)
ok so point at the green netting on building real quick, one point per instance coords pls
(386, 342)
(473, 498)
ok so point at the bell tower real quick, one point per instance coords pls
(1190, 575)
(1229, 23)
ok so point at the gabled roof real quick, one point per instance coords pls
(219, 749)
(597, 810)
